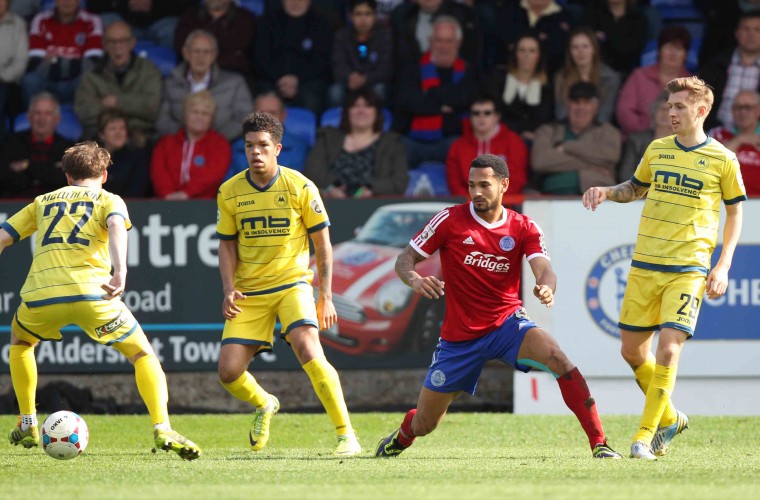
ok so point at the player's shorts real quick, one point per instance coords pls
(654, 300)
(457, 365)
(107, 322)
(255, 324)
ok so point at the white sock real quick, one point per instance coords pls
(162, 426)
(28, 421)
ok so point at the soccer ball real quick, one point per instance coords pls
(64, 435)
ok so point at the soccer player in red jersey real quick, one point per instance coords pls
(481, 247)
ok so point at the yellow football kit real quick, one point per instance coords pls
(271, 227)
(678, 231)
(71, 262)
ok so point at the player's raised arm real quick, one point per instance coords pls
(6, 239)
(546, 280)
(624, 192)
(117, 245)
(324, 259)
(428, 286)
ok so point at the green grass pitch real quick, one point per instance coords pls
(476, 456)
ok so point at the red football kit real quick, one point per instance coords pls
(482, 265)
(79, 39)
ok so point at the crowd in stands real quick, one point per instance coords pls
(569, 92)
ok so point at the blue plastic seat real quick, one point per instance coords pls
(256, 7)
(164, 58)
(69, 126)
(303, 123)
(649, 55)
(331, 118)
(429, 179)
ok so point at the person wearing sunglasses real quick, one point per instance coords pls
(486, 135)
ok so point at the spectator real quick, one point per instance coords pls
(191, 163)
(128, 175)
(744, 138)
(412, 23)
(733, 70)
(233, 28)
(151, 20)
(548, 19)
(580, 152)
(292, 54)
(358, 160)
(525, 96)
(647, 82)
(583, 63)
(362, 54)
(294, 149)
(30, 161)
(486, 135)
(199, 71)
(14, 53)
(385, 10)
(637, 142)
(63, 42)
(433, 93)
(621, 30)
(122, 80)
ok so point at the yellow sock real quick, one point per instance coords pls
(24, 375)
(151, 384)
(643, 376)
(326, 384)
(658, 395)
(245, 388)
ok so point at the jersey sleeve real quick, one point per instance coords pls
(116, 206)
(313, 210)
(731, 183)
(643, 174)
(535, 242)
(431, 237)
(22, 224)
(226, 228)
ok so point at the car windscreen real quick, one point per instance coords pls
(393, 228)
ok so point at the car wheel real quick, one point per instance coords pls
(425, 327)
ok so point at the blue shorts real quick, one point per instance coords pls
(457, 365)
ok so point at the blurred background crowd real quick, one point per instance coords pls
(377, 97)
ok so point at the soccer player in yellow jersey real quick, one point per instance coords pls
(81, 233)
(685, 176)
(265, 219)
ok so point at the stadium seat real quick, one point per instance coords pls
(69, 127)
(676, 9)
(164, 58)
(255, 6)
(331, 118)
(429, 179)
(303, 123)
(649, 55)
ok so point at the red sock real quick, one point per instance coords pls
(406, 436)
(578, 398)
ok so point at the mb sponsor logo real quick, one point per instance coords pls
(494, 263)
(605, 287)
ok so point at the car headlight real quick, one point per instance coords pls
(392, 298)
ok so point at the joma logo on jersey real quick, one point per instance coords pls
(261, 227)
(111, 326)
(675, 183)
(667, 157)
(494, 263)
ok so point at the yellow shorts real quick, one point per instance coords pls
(254, 325)
(107, 322)
(654, 300)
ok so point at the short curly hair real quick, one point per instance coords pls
(85, 160)
(263, 122)
(497, 163)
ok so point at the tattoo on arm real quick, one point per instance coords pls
(625, 192)
(324, 270)
(405, 264)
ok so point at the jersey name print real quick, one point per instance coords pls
(482, 266)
